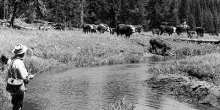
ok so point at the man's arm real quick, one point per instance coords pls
(23, 71)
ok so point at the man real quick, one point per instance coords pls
(18, 71)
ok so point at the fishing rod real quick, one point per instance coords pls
(44, 68)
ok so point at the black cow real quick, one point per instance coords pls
(200, 31)
(124, 29)
(166, 29)
(190, 34)
(102, 28)
(59, 26)
(156, 31)
(182, 28)
(161, 44)
(87, 28)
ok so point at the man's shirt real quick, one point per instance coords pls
(17, 69)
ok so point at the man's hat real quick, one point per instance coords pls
(19, 49)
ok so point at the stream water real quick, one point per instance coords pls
(97, 88)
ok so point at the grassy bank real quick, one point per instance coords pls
(193, 80)
(76, 49)
(71, 48)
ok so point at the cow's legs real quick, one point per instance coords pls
(164, 50)
(155, 49)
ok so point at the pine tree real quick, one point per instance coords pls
(183, 10)
(191, 21)
(216, 21)
(16, 4)
(198, 13)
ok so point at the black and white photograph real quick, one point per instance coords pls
(109, 55)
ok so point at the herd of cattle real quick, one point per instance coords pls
(179, 29)
(128, 30)
(121, 29)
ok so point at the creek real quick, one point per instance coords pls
(97, 88)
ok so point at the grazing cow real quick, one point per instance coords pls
(156, 31)
(182, 28)
(190, 34)
(161, 44)
(93, 28)
(200, 31)
(102, 28)
(59, 26)
(87, 28)
(166, 29)
(124, 29)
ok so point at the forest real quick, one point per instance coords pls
(148, 13)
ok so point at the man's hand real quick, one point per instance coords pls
(30, 76)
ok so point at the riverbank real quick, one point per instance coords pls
(193, 80)
(72, 49)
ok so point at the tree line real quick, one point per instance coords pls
(149, 13)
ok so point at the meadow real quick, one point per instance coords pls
(73, 48)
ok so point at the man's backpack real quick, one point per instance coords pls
(14, 85)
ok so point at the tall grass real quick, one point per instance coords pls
(204, 68)
(81, 50)
(68, 47)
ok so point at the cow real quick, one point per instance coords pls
(44, 27)
(59, 26)
(102, 28)
(124, 29)
(156, 31)
(166, 29)
(161, 44)
(182, 28)
(87, 28)
(200, 31)
(138, 28)
(190, 34)
(93, 28)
